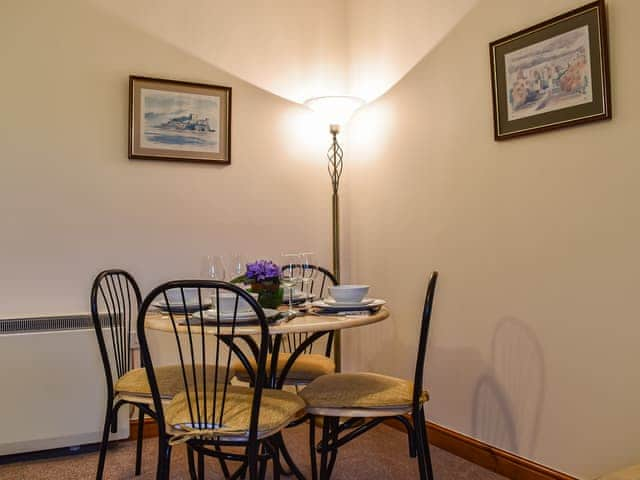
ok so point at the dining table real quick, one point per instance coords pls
(308, 323)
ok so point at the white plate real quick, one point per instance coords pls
(334, 303)
(178, 307)
(241, 317)
(375, 303)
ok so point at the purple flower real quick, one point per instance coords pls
(262, 270)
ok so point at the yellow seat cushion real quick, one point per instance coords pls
(277, 409)
(359, 390)
(170, 380)
(307, 367)
(630, 473)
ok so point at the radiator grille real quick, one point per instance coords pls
(49, 324)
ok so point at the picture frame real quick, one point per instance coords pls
(554, 74)
(179, 121)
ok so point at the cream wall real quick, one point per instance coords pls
(387, 38)
(71, 203)
(534, 341)
(293, 48)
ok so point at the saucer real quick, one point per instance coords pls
(362, 303)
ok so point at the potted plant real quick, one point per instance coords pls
(264, 278)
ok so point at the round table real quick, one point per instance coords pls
(317, 325)
(303, 323)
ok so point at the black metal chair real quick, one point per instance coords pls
(373, 397)
(210, 414)
(115, 299)
(307, 363)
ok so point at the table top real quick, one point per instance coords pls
(307, 323)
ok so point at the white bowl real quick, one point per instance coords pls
(349, 293)
(175, 296)
(228, 302)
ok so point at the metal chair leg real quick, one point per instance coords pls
(262, 468)
(223, 463)
(326, 425)
(139, 442)
(420, 445)
(252, 460)
(200, 466)
(335, 425)
(312, 447)
(427, 450)
(276, 462)
(282, 448)
(164, 458)
(105, 441)
(192, 464)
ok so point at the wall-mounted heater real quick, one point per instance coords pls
(52, 384)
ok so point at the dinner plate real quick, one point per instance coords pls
(363, 303)
(179, 307)
(245, 316)
(374, 304)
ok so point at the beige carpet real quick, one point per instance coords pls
(380, 454)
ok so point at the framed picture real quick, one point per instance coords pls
(554, 74)
(171, 120)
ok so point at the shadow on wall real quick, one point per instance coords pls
(508, 398)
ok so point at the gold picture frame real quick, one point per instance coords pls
(179, 121)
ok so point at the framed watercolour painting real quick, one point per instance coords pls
(552, 75)
(172, 120)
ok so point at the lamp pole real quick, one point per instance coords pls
(335, 155)
(336, 111)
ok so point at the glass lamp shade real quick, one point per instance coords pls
(335, 110)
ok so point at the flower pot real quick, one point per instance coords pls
(270, 294)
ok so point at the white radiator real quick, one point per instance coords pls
(52, 385)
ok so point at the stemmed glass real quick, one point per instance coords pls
(290, 275)
(309, 272)
(237, 266)
(214, 268)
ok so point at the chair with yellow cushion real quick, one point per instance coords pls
(211, 415)
(314, 361)
(374, 397)
(115, 300)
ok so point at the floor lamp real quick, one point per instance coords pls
(335, 111)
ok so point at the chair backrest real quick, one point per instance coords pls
(115, 300)
(205, 341)
(316, 281)
(424, 334)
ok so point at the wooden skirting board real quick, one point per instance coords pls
(475, 451)
(150, 428)
(492, 458)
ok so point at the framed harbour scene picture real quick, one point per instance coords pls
(182, 121)
(554, 74)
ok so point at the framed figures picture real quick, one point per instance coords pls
(554, 74)
(181, 121)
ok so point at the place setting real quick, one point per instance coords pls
(284, 291)
(347, 300)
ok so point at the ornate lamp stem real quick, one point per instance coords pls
(335, 171)
(334, 155)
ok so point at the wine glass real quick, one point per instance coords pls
(290, 275)
(309, 272)
(237, 266)
(214, 268)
